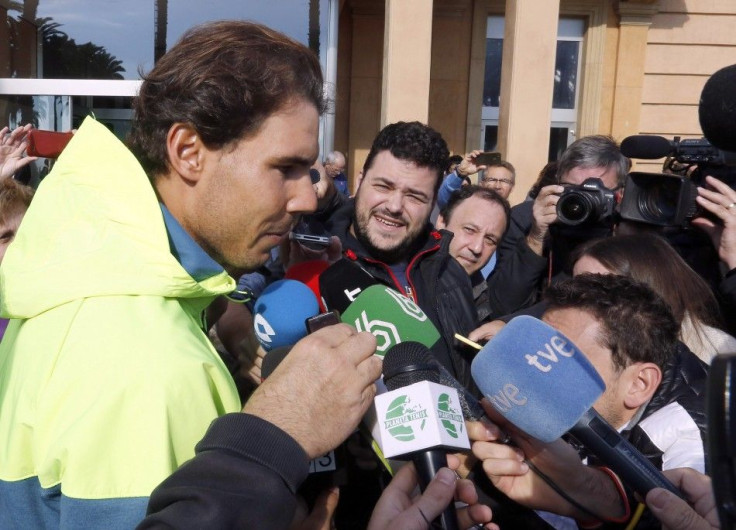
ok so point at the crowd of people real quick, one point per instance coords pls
(131, 392)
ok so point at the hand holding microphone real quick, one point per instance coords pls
(699, 513)
(419, 419)
(399, 507)
(321, 389)
(542, 384)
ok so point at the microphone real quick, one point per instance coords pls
(272, 359)
(536, 378)
(329, 469)
(391, 317)
(646, 146)
(419, 418)
(308, 273)
(279, 313)
(717, 109)
(721, 407)
(342, 282)
(469, 404)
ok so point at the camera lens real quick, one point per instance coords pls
(658, 204)
(574, 209)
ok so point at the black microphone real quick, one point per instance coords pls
(721, 413)
(272, 359)
(717, 109)
(405, 364)
(648, 147)
(342, 282)
(471, 407)
(329, 469)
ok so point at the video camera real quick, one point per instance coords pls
(668, 199)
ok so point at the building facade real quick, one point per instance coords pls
(527, 77)
(524, 77)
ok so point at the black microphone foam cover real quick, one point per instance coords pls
(407, 363)
(648, 147)
(272, 359)
(341, 283)
(717, 109)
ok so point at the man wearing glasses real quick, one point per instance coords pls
(529, 246)
(499, 176)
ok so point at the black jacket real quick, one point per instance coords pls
(520, 274)
(672, 426)
(440, 287)
(244, 475)
(683, 387)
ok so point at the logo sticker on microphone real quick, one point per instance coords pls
(451, 418)
(402, 417)
(385, 332)
(417, 417)
(263, 329)
(408, 306)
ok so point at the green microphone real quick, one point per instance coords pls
(391, 317)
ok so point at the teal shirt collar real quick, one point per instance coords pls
(190, 255)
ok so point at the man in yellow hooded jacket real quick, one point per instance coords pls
(107, 379)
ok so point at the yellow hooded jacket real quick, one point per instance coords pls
(107, 380)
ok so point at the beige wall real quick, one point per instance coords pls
(636, 79)
(366, 66)
(360, 59)
(687, 42)
(448, 90)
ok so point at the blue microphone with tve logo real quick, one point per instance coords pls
(536, 378)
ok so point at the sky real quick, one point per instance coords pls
(126, 28)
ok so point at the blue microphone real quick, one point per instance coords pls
(536, 378)
(281, 311)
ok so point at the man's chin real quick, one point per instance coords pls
(470, 267)
(246, 265)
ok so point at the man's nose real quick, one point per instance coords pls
(476, 244)
(395, 202)
(301, 195)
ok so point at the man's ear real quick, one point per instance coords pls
(644, 380)
(185, 151)
(440, 223)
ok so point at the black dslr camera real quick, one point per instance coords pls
(588, 203)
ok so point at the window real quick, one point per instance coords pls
(62, 61)
(566, 92)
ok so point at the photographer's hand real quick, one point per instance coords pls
(544, 213)
(720, 200)
(468, 166)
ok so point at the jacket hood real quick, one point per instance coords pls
(94, 228)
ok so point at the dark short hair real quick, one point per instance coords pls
(458, 196)
(636, 323)
(412, 142)
(15, 198)
(594, 151)
(224, 79)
